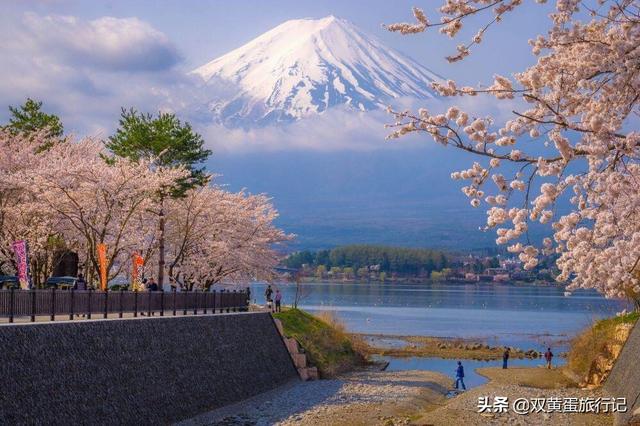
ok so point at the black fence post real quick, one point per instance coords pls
(195, 302)
(53, 304)
(11, 300)
(89, 303)
(228, 308)
(135, 303)
(106, 303)
(205, 293)
(186, 293)
(71, 304)
(235, 301)
(174, 302)
(33, 305)
(149, 302)
(213, 305)
(121, 296)
(161, 303)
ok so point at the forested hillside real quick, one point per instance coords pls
(404, 261)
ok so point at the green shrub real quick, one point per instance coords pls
(324, 339)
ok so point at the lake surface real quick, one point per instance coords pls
(499, 314)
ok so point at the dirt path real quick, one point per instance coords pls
(516, 383)
(361, 398)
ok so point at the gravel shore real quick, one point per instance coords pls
(405, 397)
(360, 398)
(463, 409)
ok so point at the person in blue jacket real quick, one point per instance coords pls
(460, 376)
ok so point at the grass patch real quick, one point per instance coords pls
(324, 338)
(596, 342)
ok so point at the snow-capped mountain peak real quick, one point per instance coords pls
(306, 66)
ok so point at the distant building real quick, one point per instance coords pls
(496, 271)
(501, 277)
(470, 276)
(510, 264)
(522, 276)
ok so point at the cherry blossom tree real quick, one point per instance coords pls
(68, 195)
(573, 138)
(76, 195)
(22, 216)
(214, 235)
(97, 200)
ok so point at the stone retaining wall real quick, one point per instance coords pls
(137, 371)
(624, 379)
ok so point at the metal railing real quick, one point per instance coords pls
(15, 303)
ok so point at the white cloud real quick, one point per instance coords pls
(342, 129)
(119, 44)
(334, 130)
(85, 71)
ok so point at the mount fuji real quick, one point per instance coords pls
(304, 67)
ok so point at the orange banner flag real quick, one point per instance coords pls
(102, 259)
(137, 262)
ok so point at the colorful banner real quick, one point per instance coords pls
(22, 263)
(137, 264)
(102, 261)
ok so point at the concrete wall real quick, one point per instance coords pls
(624, 379)
(137, 371)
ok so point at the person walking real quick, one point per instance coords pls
(173, 284)
(267, 295)
(548, 356)
(278, 300)
(505, 358)
(460, 376)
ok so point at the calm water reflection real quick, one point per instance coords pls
(526, 316)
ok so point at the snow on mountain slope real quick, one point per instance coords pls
(306, 66)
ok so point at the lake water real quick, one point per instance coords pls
(499, 314)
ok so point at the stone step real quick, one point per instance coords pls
(300, 360)
(308, 373)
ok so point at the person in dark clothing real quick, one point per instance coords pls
(267, 295)
(505, 358)
(548, 356)
(80, 284)
(278, 301)
(152, 285)
(460, 376)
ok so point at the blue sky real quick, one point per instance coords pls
(203, 30)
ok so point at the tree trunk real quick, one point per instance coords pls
(161, 247)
